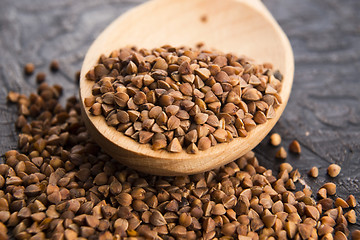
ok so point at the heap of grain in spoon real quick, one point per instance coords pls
(182, 98)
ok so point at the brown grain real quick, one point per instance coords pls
(29, 68)
(351, 201)
(333, 170)
(313, 172)
(281, 153)
(176, 84)
(294, 147)
(275, 139)
(61, 185)
(40, 77)
(54, 66)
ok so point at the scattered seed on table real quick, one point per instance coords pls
(29, 68)
(275, 139)
(281, 153)
(40, 77)
(351, 201)
(13, 97)
(54, 66)
(313, 172)
(322, 193)
(286, 166)
(330, 188)
(350, 216)
(339, 202)
(294, 147)
(333, 170)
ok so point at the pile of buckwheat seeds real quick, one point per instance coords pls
(60, 185)
(182, 98)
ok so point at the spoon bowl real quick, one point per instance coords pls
(242, 27)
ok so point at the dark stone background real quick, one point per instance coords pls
(324, 109)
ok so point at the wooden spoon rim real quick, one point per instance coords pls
(144, 151)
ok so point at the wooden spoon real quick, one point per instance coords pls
(243, 27)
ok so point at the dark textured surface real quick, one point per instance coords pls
(323, 112)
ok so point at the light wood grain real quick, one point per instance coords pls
(243, 27)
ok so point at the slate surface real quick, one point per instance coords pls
(324, 109)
